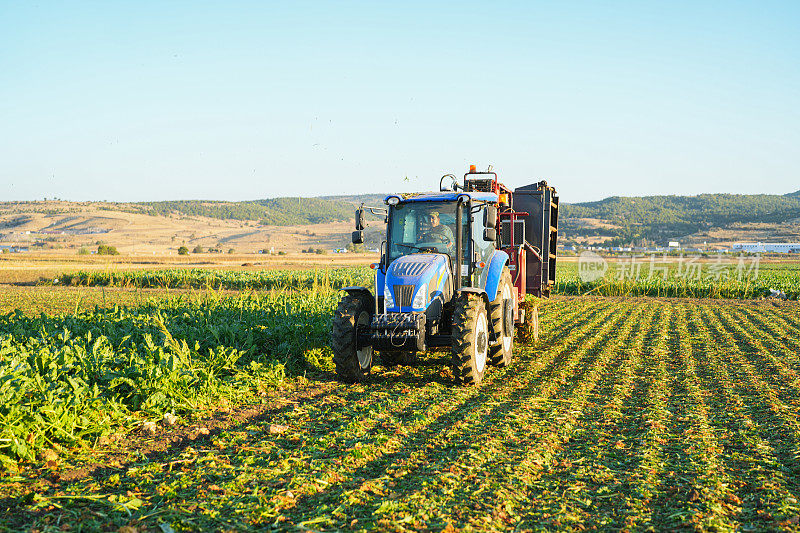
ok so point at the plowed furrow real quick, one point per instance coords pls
(775, 330)
(440, 418)
(764, 354)
(697, 489)
(542, 443)
(759, 481)
(434, 450)
(582, 477)
(783, 414)
(643, 481)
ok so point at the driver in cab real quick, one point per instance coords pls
(437, 232)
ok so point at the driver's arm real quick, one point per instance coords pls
(449, 233)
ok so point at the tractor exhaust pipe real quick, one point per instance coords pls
(459, 243)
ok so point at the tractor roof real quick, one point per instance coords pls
(444, 196)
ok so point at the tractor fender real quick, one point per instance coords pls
(363, 291)
(472, 290)
(495, 267)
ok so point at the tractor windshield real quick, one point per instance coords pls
(416, 227)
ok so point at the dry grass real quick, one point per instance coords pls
(139, 234)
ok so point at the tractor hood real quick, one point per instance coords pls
(414, 280)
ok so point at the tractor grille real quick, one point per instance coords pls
(409, 268)
(403, 294)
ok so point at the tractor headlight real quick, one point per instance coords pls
(421, 298)
(388, 299)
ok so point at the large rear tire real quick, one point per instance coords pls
(502, 321)
(352, 365)
(470, 339)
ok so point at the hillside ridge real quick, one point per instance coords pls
(671, 217)
(616, 220)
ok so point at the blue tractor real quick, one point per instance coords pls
(454, 268)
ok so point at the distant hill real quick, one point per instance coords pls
(712, 218)
(621, 219)
(660, 218)
(374, 200)
(271, 212)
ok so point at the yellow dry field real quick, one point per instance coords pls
(65, 227)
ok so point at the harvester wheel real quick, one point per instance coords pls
(470, 339)
(528, 331)
(501, 316)
(395, 358)
(352, 365)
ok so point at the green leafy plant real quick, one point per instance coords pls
(105, 249)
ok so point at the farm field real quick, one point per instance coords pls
(628, 413)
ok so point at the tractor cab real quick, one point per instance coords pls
(447, 223)
(422, 227)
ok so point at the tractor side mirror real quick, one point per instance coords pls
(358, 237)
(490, 217)
(359, 219)
(453, 186)
(490, 234)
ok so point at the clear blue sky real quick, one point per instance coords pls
(146, 100)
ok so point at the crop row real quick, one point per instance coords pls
(745, 278)
(221, 279)
(620, 279)
(70, 378)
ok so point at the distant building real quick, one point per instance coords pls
(767, 247)
(674, 245)
(14, 249)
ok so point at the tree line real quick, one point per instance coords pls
(273, 212)
(660, 217)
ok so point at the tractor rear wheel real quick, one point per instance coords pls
(501, 315)
(352, 364)
(395, 358)
(470, 339)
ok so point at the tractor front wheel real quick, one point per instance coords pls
(352, 364)
(470, 339)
